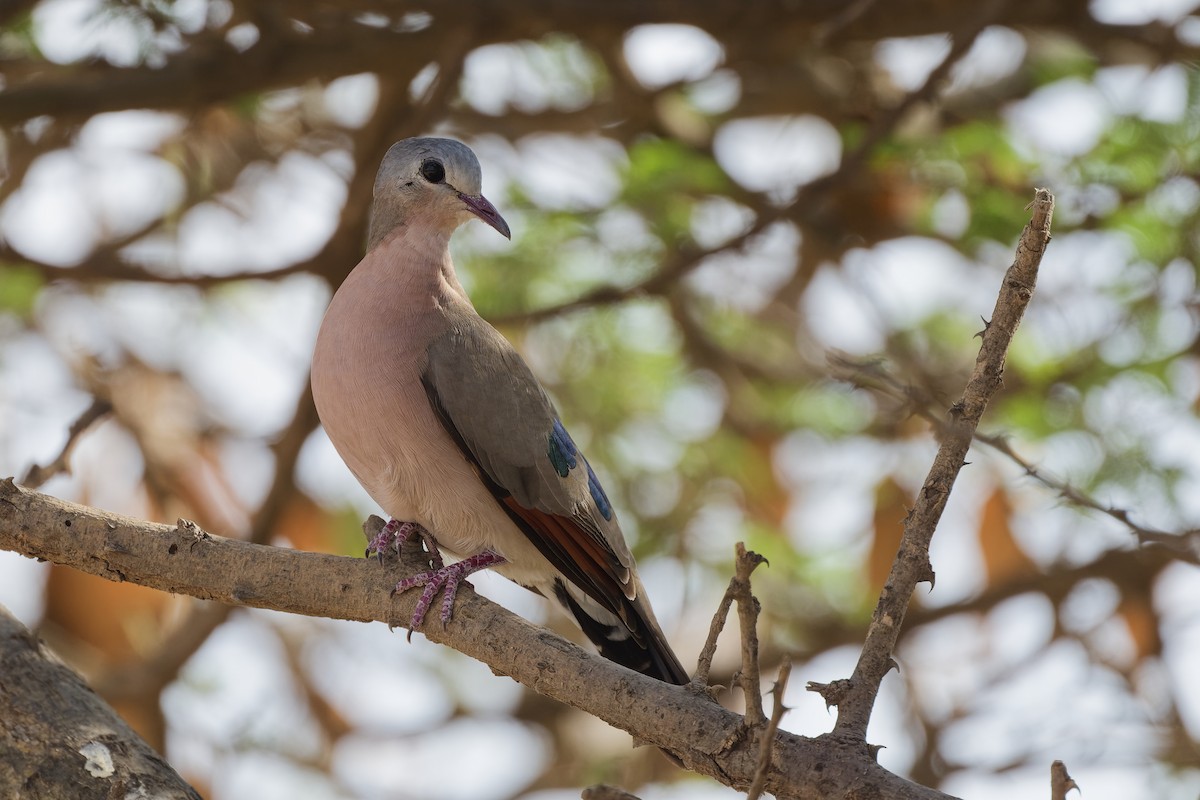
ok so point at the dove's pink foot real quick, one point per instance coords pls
(391, 537)
(446, 578)
(395, 534)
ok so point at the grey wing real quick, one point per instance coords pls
(492, 405)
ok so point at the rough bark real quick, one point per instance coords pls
(60, 741)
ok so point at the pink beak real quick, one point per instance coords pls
(481, 207)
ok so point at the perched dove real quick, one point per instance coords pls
(446, 427)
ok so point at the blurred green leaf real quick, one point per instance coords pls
(1060, 58)
(19, 288)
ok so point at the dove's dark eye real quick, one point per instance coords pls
(433, 171)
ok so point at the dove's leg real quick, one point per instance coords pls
(446, 578)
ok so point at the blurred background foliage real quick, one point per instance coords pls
(751, 248)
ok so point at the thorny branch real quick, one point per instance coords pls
(749, 676)
(1185, 545)
(912, 565)
(768, 735)
(745, 562)
(872, 375)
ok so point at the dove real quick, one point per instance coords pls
(446, 427)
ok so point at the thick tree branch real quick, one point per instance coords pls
(186, 560)
(59, 741)
(912, 561)
(216, 72)
(342, 45)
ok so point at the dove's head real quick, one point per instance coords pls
(430, 181)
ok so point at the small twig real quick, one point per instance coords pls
(912, 565)
(38, 475)
(1061, 782)
(739, 589)
(1184, 545)
(768, 736)
(704, 662)
(749, 676)
(116, 268)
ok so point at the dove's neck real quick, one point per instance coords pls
(411, 265)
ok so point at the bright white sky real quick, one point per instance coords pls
(246, 352)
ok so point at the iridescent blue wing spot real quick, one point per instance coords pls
(562, 450)
(564, 455)
(598, 494)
